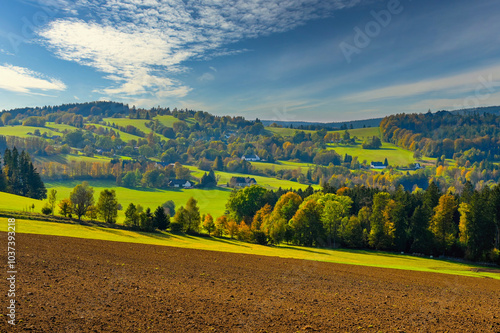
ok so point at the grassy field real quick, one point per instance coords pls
(285, 131)
(267, 182)
(352, 257)
(210, 201)
(22, 131)
(60, 127)
(17, 203)
(139, 123)
(282, 165)
(167, 120)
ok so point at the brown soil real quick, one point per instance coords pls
(80, 285)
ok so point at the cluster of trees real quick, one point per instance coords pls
(469, 137)
(139, 219)
(427, 222)
(372, 143)
(81, 203)
(19, 176)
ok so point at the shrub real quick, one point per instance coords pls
(46, 210)
(175, 227)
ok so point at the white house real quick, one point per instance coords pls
(180, 183)
(377, 165)
(251, 158)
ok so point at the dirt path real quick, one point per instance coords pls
(81, 285)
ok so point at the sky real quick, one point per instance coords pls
(289, 60)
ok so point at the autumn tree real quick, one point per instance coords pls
(220, 226)
(232, 228)
(65, 207)
(442, 225)
(208, 224)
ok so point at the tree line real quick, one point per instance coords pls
(465, 224)
(19, 176)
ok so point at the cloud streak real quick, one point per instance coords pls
(143, 45)
(24, 80)
(469, 82)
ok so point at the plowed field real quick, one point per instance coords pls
(82, 285)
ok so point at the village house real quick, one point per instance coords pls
(251, 158)
(377, 165)
(241, 181)
(180, 183)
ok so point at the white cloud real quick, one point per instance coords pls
(24, 80)
(143, 44)
(206, 77)
(475, 82)
(6, 52)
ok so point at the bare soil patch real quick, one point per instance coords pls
(82, 285)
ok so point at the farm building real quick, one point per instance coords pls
(377, 165)
(241, 181)
(251, 158)
(180, 183)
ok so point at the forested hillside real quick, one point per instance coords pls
(465, 137)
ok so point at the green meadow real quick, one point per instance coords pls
(139, 123)
(267, 182)
(13, 202)
(22, 131)
(211, 201)
(351, 257)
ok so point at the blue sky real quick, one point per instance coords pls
(310, 60)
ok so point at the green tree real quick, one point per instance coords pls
(192, 216)
(169, 207)
(218, 165)
(107, 206)
(161, 220)
(382, 228)
(419, 234)
(353, 233)
(243, 204)
(442, 225)
(181, 219)
(477, 226)
(82, 197)
(92, 213)
(52, 200)
(146, 222)
(335, 214)
(132, 216)
(275, 225)
(129, 180)
(306, 224)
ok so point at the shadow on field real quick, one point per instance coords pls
(303, 249)
(155, 235)
(380, 254)
(220, 240)
(113, 231)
